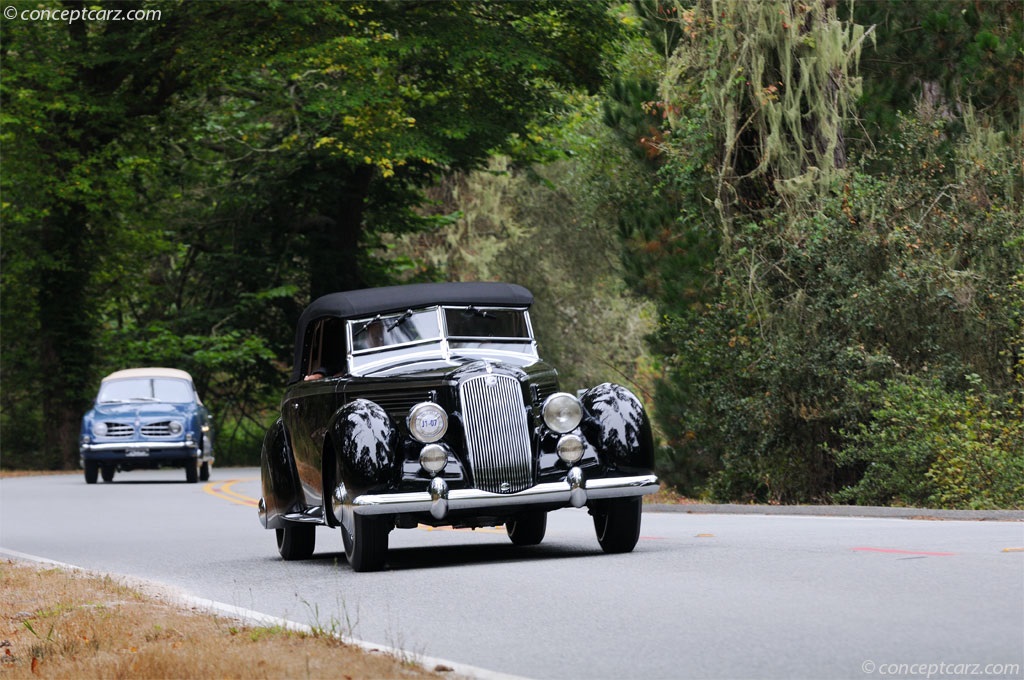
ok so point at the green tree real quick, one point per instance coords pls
(78, 100)
(755, 96)
(346, 130)
(943, 54)
(239, 177)
(833, 270)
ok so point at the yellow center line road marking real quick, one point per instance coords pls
(224, 491)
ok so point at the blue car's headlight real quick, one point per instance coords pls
(99, 429)
(175, 428)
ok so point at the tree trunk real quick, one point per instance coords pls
(65, 336)
(334, 238)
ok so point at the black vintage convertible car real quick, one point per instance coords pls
(428, 404)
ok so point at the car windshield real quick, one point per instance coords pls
(395, 329)
(440, 333)
(145, 389)
(477, 322)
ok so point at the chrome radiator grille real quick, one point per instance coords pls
(497, 435)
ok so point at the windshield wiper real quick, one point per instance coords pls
(366, 325)
(400, 320)
(482, 313)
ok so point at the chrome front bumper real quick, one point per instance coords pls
(114, 452)
(439, 500)
(135, 446)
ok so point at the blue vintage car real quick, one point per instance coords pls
(146, 418)
(429, 404)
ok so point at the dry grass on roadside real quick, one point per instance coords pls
(56, 623)
(35, 473)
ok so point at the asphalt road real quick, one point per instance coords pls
(703, 595)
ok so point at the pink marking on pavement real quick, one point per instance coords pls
(895, 551)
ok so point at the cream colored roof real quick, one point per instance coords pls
(149, 373)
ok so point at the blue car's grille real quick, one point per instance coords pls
(497, 435)
(120, 430)
(162, 429)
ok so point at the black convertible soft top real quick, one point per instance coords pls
(368, 302)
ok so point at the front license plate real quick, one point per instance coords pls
(137, 453)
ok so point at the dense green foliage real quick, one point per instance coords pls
(794, 227)
(174, 197)
(838, 265)
(926, 445)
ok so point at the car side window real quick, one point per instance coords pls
(326, 348)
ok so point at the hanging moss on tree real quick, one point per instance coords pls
(837, 265)
(776, 82)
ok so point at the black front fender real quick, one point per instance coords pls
(280, 482)
(361, 454)
(616, 423)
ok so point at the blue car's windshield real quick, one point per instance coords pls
(145, 389)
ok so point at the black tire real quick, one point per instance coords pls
(92, 471)
(617, 524)
(204, 471)
(296, 541)
(528, 528)
(107, 470)
(366, 547)
(191, 472)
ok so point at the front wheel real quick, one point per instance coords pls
(528, 528)
(366, 545)
(617, 524)
(92, 471)
(191, 472)
(296, 541)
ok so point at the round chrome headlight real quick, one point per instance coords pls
(174, 427)
(570, 448)
(99, 429)
(433, 458)
(562, 412)
(427, 422)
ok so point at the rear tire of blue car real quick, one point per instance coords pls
(617, 524)
(92, 471)
(204, 472)
(528, 528)
(296, 541)
(366, 546)
(107, 471)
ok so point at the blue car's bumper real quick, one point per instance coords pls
(139, 452)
